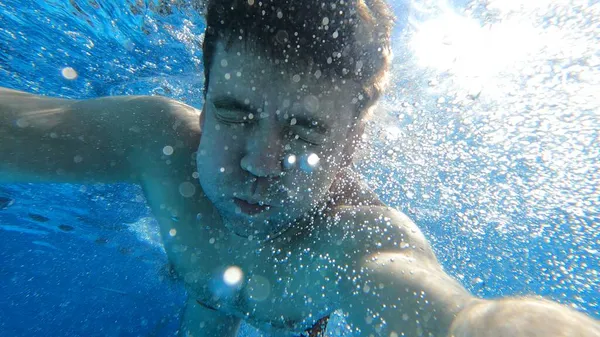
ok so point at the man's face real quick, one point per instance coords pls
(273, 139)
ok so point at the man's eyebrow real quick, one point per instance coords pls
(228, 102)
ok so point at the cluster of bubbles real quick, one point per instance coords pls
(490, 131)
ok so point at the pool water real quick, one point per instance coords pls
(488, 139)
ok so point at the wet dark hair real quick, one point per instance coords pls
(347, 38)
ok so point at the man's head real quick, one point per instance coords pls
(349, 39)
(286, 88)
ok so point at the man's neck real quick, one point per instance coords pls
(348, 189)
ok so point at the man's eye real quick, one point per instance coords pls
(231, 116)
(308, 135)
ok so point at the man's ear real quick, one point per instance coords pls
(354, 139)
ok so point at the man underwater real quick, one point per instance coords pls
(259, 211)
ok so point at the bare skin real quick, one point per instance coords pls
(287, 265)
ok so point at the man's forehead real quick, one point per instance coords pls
(238, 70)
(250, 60)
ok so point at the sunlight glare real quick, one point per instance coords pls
(475, 54)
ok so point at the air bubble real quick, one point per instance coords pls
(259, 288)
(187, 189)
(168, 150)
(69, 73)
(313, 159)
(311, 103)
(290, 161)
(233, 276)
(309, 162)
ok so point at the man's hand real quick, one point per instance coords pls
(525, 317)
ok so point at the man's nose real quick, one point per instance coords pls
(264, 151)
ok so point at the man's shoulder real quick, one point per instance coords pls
(369, 229)
(372, 219)
(163, 133)
(156, 106)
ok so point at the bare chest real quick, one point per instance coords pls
(282, 286)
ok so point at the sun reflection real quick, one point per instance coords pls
(496, 105)
(475, 54)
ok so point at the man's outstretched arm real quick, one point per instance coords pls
(517, 317)
(100, 140)
(403, 291)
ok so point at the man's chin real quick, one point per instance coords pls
(246, 230)
(259, 229)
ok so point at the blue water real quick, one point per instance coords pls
(505, 214)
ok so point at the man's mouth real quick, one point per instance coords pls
(250, 208)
